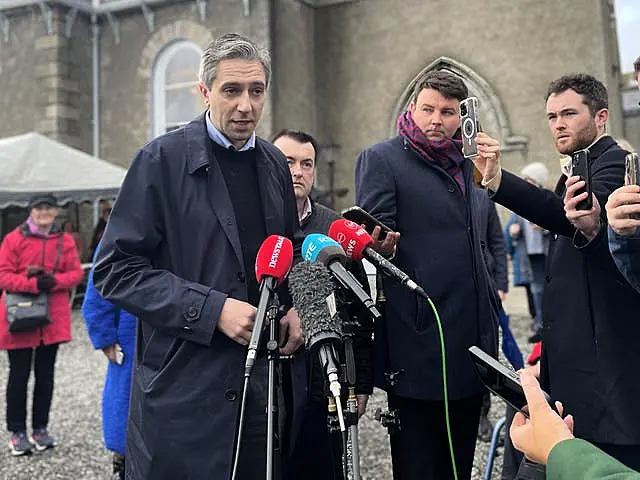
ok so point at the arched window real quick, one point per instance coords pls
(176, 99)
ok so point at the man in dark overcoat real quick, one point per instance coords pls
(179, 253)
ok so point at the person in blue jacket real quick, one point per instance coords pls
(113, 331)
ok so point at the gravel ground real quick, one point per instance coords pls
(76, 424)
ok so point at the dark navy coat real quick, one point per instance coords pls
(591, 332)
(440, 249)
(171, 255)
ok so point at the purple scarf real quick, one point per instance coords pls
(447, 153)
(35, 231)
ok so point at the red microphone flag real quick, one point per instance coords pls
(351, 237)
(274, 258)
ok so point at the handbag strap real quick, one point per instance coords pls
(60, 238)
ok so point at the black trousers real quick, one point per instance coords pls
(512, 457)
(316, 455)
(43, 359)
(420, 448)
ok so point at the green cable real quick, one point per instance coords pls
(444, 386)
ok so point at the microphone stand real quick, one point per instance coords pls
(273, 437)
(267, 310)
(352, 401)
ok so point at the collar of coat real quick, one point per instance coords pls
(197, 136)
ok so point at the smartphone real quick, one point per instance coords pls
(361, 217)
(501, 380)
(581, 167)
(632, 169)
(469, 126)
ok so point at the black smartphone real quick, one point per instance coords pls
(580, 166)
(501, 380)
(469, 126)
(361, 217)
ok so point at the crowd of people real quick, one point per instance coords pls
(172, 296)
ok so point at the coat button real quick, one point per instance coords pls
(229, 221)
(241, 278)
(555, 236)
(547, 278)
(451, 188)
(231, 395)
(192, 313)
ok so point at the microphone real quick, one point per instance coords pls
(273, 263)
(320, 248)
(356, 243)
(311, 287)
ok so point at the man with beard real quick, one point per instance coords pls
(420, 185)
(590, 335)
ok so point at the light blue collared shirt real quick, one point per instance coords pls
(223, 141)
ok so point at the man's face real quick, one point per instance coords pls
(438, 117)
(301, 158)
(236, 98)
(572, 125)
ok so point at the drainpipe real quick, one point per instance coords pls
(95, 69)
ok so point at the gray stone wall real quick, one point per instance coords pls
(18, 83)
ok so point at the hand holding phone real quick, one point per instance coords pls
(361, 217)
(502, 381)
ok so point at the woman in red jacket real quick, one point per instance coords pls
(28, 256)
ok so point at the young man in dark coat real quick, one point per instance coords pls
(420, 185)
(179, 254)
(314, 454)
(591, 336)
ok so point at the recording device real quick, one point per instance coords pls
(469, 126)
(502, 381)
(312, 291)
(362, 217)
(581, 167)
(356, 243)
(320, 248)
(632, 169)
(273, 263)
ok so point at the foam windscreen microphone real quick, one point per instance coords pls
(312, 291)
(273, 263)
(357, 244)
(320, 248)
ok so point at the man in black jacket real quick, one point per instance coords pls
(591, 336)
(420, 185)
(314, 455)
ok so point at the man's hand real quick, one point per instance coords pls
(587, 221)
(535, 437)
(236, 320)
(514, 230)
(488, 158)
(503, 295)
(290, 333)
(110, 352)
(623, 210)
(362, 399)
(386, 247)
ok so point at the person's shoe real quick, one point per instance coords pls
(485, 430)
(42, 440)
(20, 444)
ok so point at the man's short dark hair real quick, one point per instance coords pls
(636, 65)
(299, 136)
(594, 93)
(447, 83)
